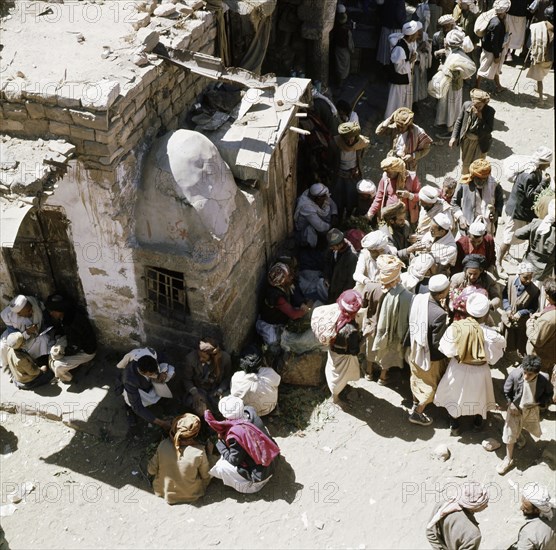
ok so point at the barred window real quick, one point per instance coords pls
(166, 292)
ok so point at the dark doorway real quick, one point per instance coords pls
(43, 260)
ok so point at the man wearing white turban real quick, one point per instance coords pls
(373, 245)
(495, 46)
(402, 58)
(440, 242)
(530, 180)
(431, 205)
(24, 314)
(466, 388)
(477, 241)
(427, 324)
(453, 524)
(539, 530)
(314, 216)
(541, 235)
(458, 67)
(542, 46)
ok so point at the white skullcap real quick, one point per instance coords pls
(366, 186)
(477, 229)
(467, 45)
(318, 190)
(376, 240)
(543, 155)
(231, 407)
(429, 194)
(417, 270)
(539, 497)
(525, 267)
(340, 8)
(443, 221)
(18, 303)
(438, 283)
(15, 340)
(410, 28)
(501, 6)
(477, 305)
(446, 19)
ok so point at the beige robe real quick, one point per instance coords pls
(179, 478)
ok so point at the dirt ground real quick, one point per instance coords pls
(360, 478)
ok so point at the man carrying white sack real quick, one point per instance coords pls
(427, 325)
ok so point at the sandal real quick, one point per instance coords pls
(505, 466)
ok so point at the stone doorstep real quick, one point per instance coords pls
(89, 405)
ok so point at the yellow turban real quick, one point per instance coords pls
(393, 164)
(390, 268)
(403, 116)
(480, 168)
(187, 426)
(479, 95)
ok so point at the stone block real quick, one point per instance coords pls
(35, 110)
(36, 127)
(167, 117)
(164, 104)
(82, 133)
(100, 95)
(128, 112)
(110, 136)
(181, 41)
(304, 370)
(14, 90)
(58, 114)
(106, 161)
(58, 128)
(42, 91)
(139, 20)
(97, 121)
(11, 125)
(15, 111)
(194, 4)
(205, 16)
(139, 116)
(125, 134)
(195, 28)
(141, 98)
(165, 10)
(148, 39)
(96, 149)
(69, 95)
(62, 147)
(183, 9)
(149, 75)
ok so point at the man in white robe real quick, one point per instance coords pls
(466, 388)
(402, 57)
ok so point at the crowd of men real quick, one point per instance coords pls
(422, 286)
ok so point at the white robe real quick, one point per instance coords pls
(258, 390)
(339, 370)
(467, 389)
(400, 95)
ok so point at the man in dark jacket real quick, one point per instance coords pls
(526, 389)
(427, 325)
(340, 265)
(519, 208)
(75, 338)
(472, 131)
(494, 46)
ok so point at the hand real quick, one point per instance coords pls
(403, 194)
(512, 409)
(161, 378)
(463, 225)
(451, 143)
(413, 57)
(166, 425)
(44, 368)
(417, 247)
(304, 307)
(407, 158)
(32, 330)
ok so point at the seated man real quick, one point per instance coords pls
(180, 465)
(144, 383)
(256, 384)
(314, 215)
(26, 374)
(76, 342)
(248, 453)
(207, 375)
(24, 314)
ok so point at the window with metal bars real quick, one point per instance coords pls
(166, 292)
